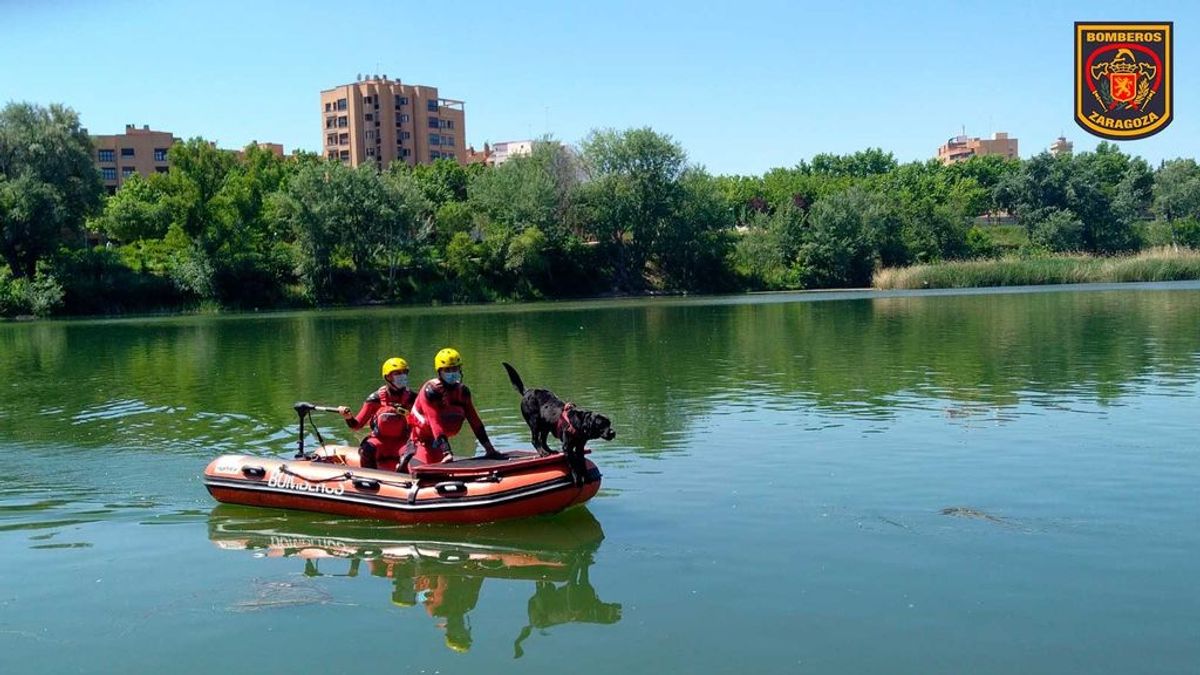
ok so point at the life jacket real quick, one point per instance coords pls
(389, 423)
(450, 404)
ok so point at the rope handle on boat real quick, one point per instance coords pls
(341, 476)
(350, 476)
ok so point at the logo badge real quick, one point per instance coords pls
(1123, 74)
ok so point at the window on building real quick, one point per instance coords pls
(435, 139)
(160, 154)
(401, 100)
(330, 122)
(344, 139)
(370, 152)
(404, 119)
(126, 171)
(368, 117)
(331, 139)
(432, 105)
(108, 172)
(341, 104)
(343, 122)
(367, 99)
(332, 154)
(106, 156)
(405, 135)
(405, 152)
(161, 169)
(449, 124)
(448, 140)
(328, 106)
(127, 152)
(434, 123)
(370, 134)
(344, 155)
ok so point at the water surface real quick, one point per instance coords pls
(986, 482)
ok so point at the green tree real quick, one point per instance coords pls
(864, 163)
(634, 188)
(1177, 190)
(48, 183)
(1106, 190)
(846, 234)
(1058, 230)
(693, 243)
(136, 212)
(352, 216)
(442, 181)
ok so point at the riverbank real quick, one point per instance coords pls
(1161, 264)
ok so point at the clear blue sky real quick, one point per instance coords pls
(744, 86)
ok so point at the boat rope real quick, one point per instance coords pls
(341, 476)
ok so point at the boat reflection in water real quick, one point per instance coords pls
(440, 568)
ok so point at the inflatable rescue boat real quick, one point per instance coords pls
(330, 480)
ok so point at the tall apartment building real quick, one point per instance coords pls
(961, 148)
(143, 151)
(379, 121)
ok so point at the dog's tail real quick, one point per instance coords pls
(514, 378)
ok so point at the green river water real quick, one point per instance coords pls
(934, 482)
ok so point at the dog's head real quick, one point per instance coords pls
(596, 425)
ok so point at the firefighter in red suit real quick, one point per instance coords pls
(442, 405)
(386, 411)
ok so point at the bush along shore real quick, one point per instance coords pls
(1160, 264)
(623, 212)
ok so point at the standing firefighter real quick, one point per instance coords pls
(442, 405)
(386, 411)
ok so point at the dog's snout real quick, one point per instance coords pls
(609, 434)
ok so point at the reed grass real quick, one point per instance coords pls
(1159, 264)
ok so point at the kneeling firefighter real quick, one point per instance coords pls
(442, 405)
(386, 411)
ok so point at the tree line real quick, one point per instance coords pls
(624, 212)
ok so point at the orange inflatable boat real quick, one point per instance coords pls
(464, 491)
(330, 480)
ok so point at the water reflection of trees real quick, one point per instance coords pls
(442, 570)
(654, 367)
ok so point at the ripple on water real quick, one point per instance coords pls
(118, 409)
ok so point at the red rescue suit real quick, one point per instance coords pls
(439, 412)
(386, 410)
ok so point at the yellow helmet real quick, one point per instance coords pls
(393, 364)
(447, 358)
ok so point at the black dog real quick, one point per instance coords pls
(547, 414)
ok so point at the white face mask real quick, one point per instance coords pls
(452, 378)
(400, 380)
